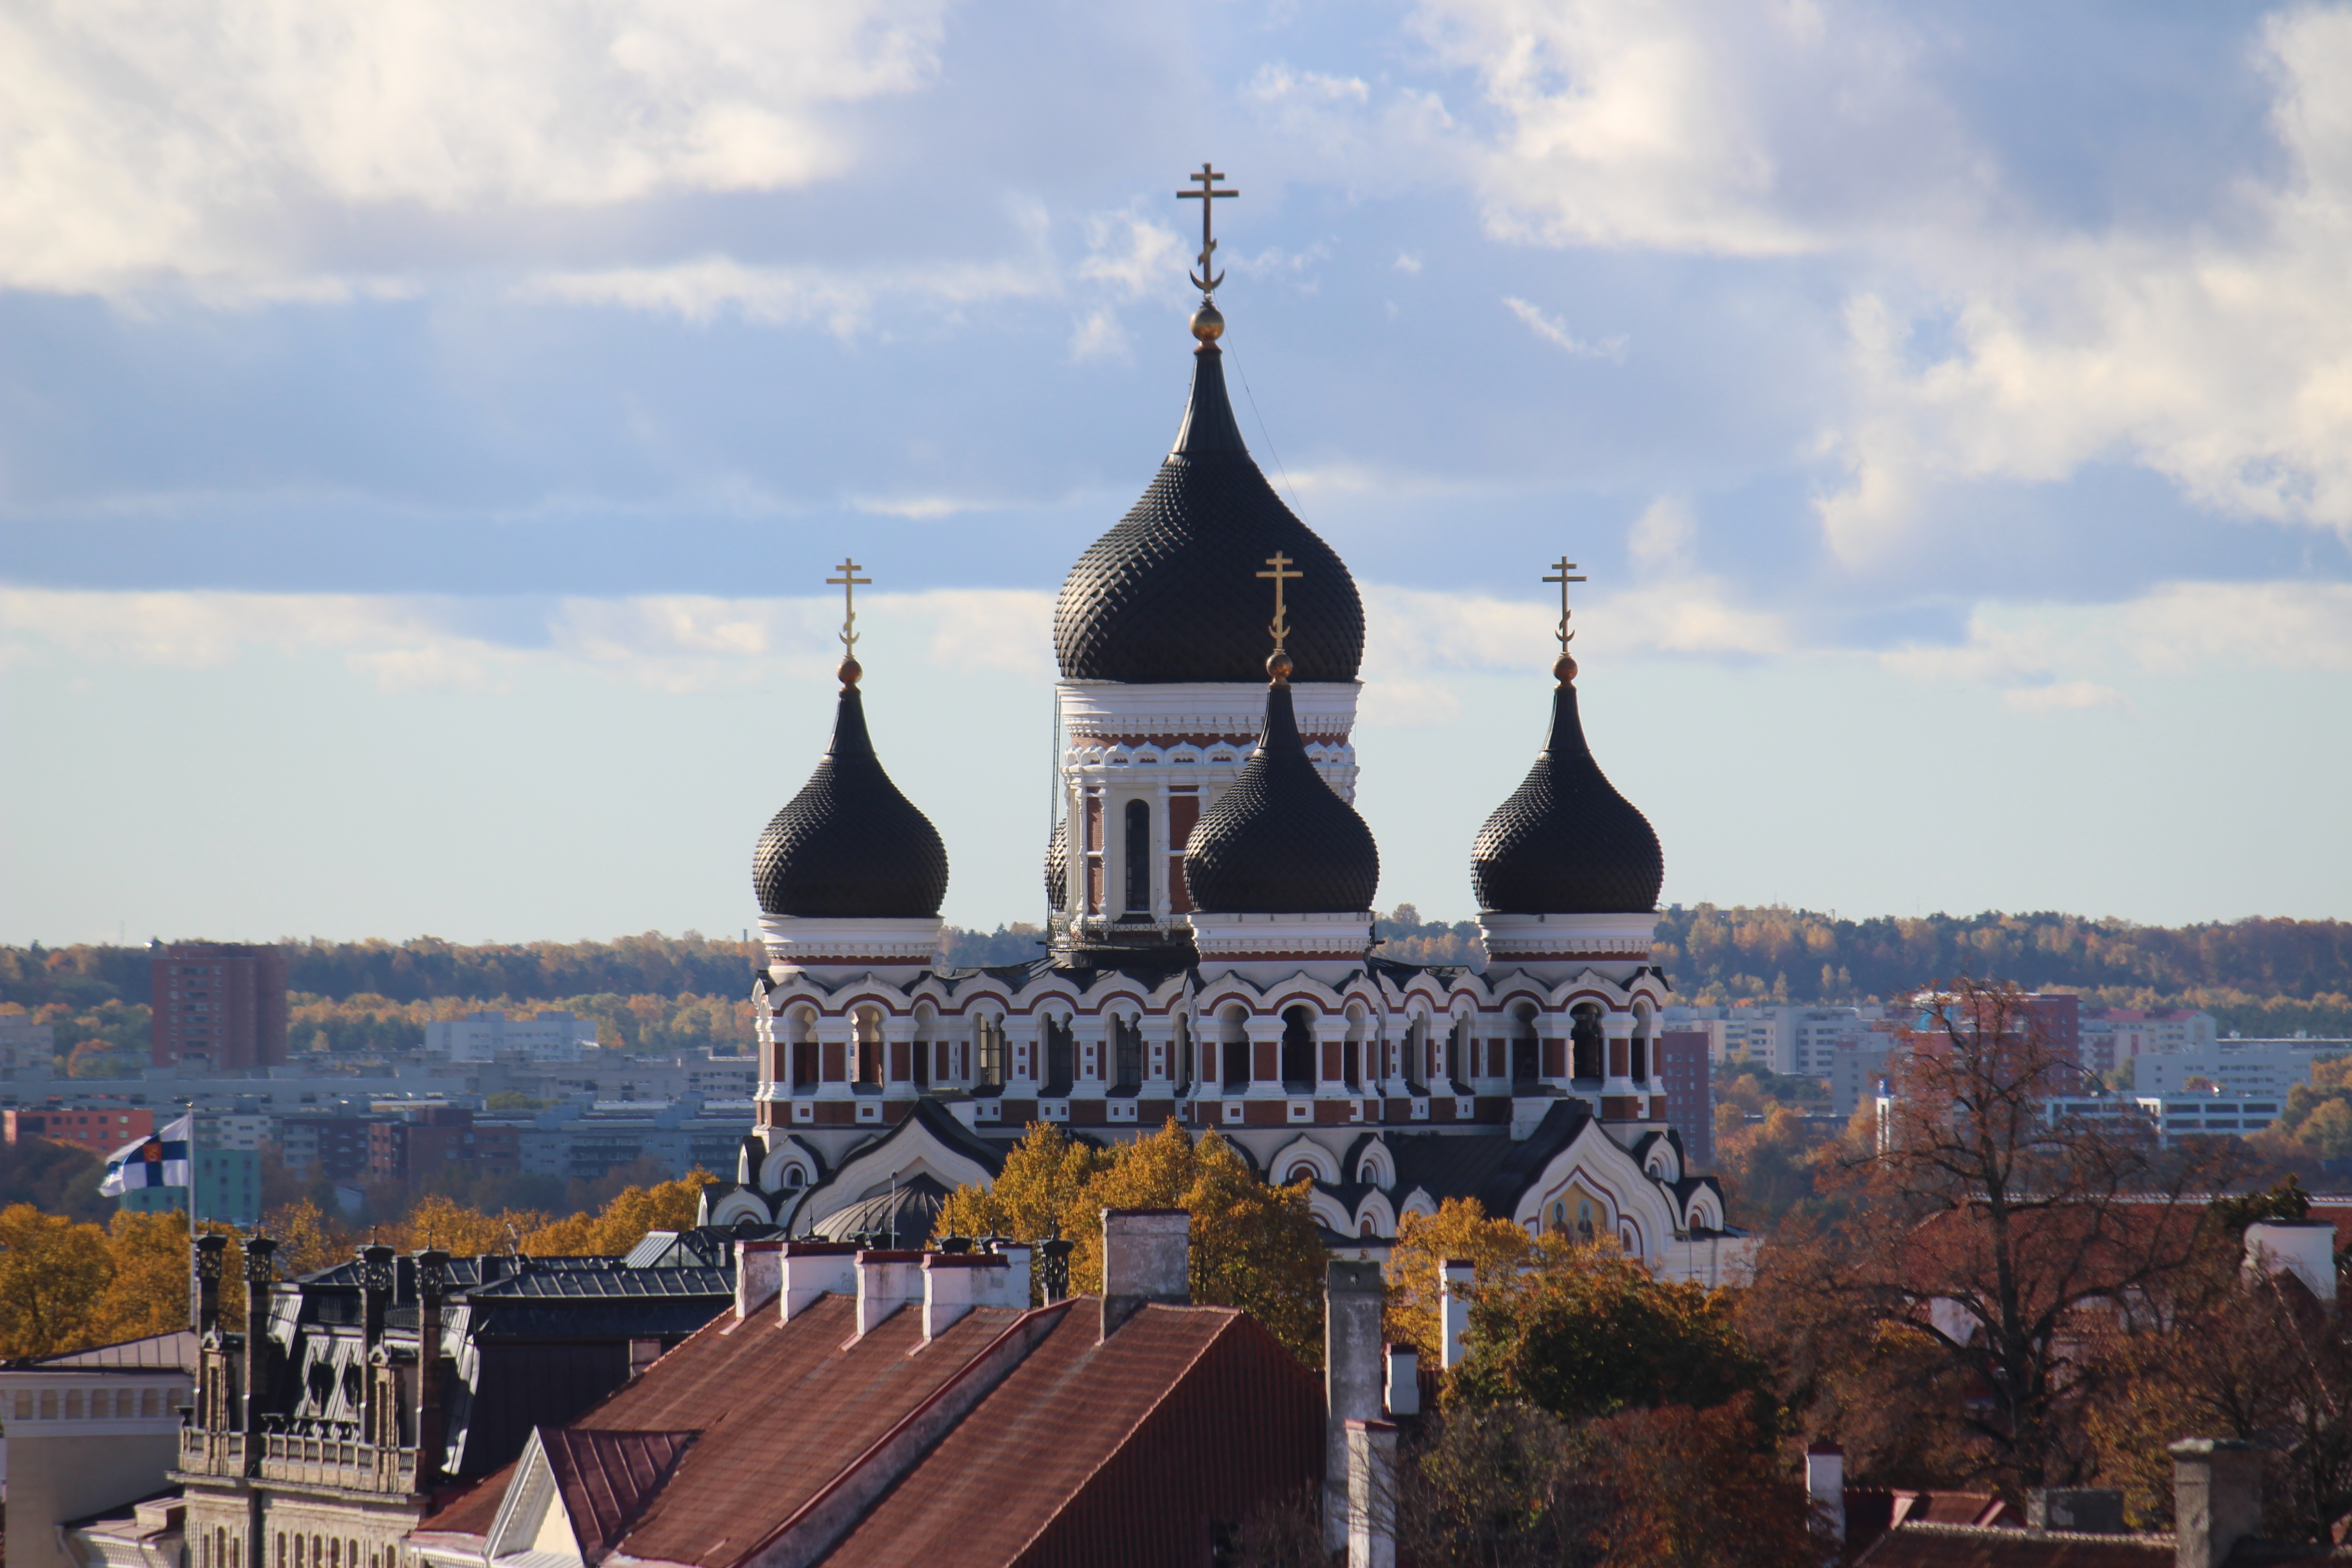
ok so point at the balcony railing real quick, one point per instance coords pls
(338, 1462)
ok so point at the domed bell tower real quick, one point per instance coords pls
(1162, 694)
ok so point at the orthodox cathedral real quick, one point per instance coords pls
(1211, 953)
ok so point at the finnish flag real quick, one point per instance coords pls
(159, 1160)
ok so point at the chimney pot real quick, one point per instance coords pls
(1147, 1256)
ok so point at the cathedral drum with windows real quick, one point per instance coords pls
(1210, 954)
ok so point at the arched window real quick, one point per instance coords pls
(990, 1029)
(1061, 1056)
(1585, 1038)
(1525, 1067)
(1127, 1054)
(1301, 1172)
(1139, 858)
(1298, 1051)
(1236, 1045)
(1364, 1226)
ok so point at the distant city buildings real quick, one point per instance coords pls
(229, 1188)
(98, 1127)
(552, 1037)
(2114, 1036)
(26, 1046)
(218, 1006)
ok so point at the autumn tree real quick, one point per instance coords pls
(623, 1221)
(53, 1271)
(1985, 1238)
(1458, 1232)
(2236, 1352)
(147, 1277)
(1585, 1330)
(1254, 1245)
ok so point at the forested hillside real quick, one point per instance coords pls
(662, 993)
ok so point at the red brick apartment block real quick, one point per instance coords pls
(220, 1005)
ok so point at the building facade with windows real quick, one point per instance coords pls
(218, 1006)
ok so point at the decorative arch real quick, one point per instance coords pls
(739, 1205)
(1376, 1165)
(1374, 1217)
(1320, 1162)
(1330, 1213)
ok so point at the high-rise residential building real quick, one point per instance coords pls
(219, 1006)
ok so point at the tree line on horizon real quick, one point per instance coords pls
(656, 992)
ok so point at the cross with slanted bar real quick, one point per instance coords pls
(849, 582)
(1564, 566)
(1207, 195)
(1281, 574)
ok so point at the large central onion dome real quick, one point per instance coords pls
(849, 846)
(1278, 841)
(1566, 843)
(1158, 598)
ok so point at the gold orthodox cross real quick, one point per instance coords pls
(849, 582)
(1208, 196)
(1564, 566)
(1281, 574)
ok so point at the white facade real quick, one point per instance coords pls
(2211, 1115)
(2114, 1036)
(2239, 1066)
(552, 1037)
(25, 1045)
(1805, 1041)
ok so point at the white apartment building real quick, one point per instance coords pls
(2114, 1036)
(1785, 1038)
(2212, 1115)
(2241, 1067)
(552, 1037)
(231, 1129)
(24, 1043)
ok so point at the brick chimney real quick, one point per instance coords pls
(209, 1252)
(2217, 1498)
(260, 1272)
(1147, 1256)
(432, 1284)
(956, 1282)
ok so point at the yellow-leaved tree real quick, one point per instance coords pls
(1253, 1246)
(623, 1221)
(147, 1278)
(53, 1271)
(1458, 1232)
(443, 1222)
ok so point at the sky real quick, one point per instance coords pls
(425, 430)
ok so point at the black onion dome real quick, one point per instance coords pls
(1279, 841)
(1566, 843)
(1057, 866)
(1172, 593)
(849, 846)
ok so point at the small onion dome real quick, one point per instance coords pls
(1279, 841)
(1057, 866)
(1566, 843)
(1165, 596)
(849, 846)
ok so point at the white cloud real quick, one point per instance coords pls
(668, 642)
(1554, 331)
(704, 289)
(1134, 254)
(1409, 630)
(2066, 657)
(149, 139)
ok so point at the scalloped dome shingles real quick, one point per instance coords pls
(1057, 867)
(1278, 841)
(1172, 593)
(1566, 842)
(849, 846)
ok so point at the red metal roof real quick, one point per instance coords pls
(605, 1477)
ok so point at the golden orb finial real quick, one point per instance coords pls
(1277, 666)
(849, 671)
(1564, 669)
(1208, 322)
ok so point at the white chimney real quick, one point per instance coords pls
(815, 1268)
(2303, 1247)
(954, 1283)
(2217, 1498)
(1453, 1305)
(1147, 1256)
(1825, 1484)
(1405, 1381)
(1371, 1494)
(759, 1275)
(1353, 1366)
(886, 1282)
